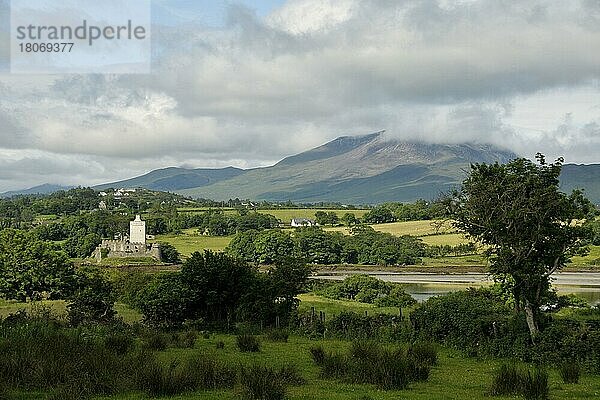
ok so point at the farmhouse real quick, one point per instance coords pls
(297, 222)
(133, 246)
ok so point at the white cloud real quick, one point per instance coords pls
(257, 90)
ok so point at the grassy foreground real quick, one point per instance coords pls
(455, 377)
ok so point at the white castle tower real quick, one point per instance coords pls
(137, 231)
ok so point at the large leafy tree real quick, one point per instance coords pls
(530, 228)
(32, 269)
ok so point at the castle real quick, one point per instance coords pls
(134, 246)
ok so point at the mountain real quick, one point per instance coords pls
(579, 176)
(41, 189)
(174, 179)
(351, 169)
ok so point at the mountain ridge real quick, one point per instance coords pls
(363, 169)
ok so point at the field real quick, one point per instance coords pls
(189, 241)
(59, 307)
(455, 377)
(285, 215)
(333, 307)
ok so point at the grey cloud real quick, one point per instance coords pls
(258, 90)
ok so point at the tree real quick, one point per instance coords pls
(529, 227)
(165, 301)
(379, 215)
(349, 219)
(93, 299)
(33, 269)
(216, 282)
(169, 253)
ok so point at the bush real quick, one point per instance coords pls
(476, 321)
(510, 380)
(278, 335)
(158, 381)
(318, 354)
(247, 343)
(220, 345)
(396, 298)
(164, 301)
(423, 353)
(42, 356)
(156, 341)
(535, 385)
(261, 383)
(334, 366)
(506, 381)
(184, 340)
(93, 299)
(120, 343)
(370, 363)
(570, 372)
(351, 325)
(209, 373)
(290, 375)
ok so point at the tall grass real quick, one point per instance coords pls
(261, 383)
(247, 343)
(506, 381)
(570, 372)
(509, 380)
(371, 363)
(535, 385)
(45, 356)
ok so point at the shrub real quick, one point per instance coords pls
(184, 340)
(506, 381)
(570, 371)
(334, 366)
(163, 301)
(352, 325)
(247, 343)
(278, 335)
(93, 299)
(370, 363)
(209, 373)
(220, 345)
(261, 383)
(510, 380)
(318, 354)
(396, 298)
(42, 356)
(423, 353)
(535, 385)
(290, 375)
(475, 321)
(156, 341)
(120, 343)
(157, 380)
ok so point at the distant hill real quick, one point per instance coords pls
(41, 189)
(351, 169)
(579, 176)
(174, 179)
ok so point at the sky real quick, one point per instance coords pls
(246, 83)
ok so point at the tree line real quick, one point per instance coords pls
(363, 246)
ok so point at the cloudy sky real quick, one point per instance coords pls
(246, 83)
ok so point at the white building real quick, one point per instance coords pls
(137, 231)
(297, 222)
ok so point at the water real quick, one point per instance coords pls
(423, 291)
(424, 285)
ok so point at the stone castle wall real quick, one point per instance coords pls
(124, 249)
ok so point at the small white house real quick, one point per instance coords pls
(298, 222)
